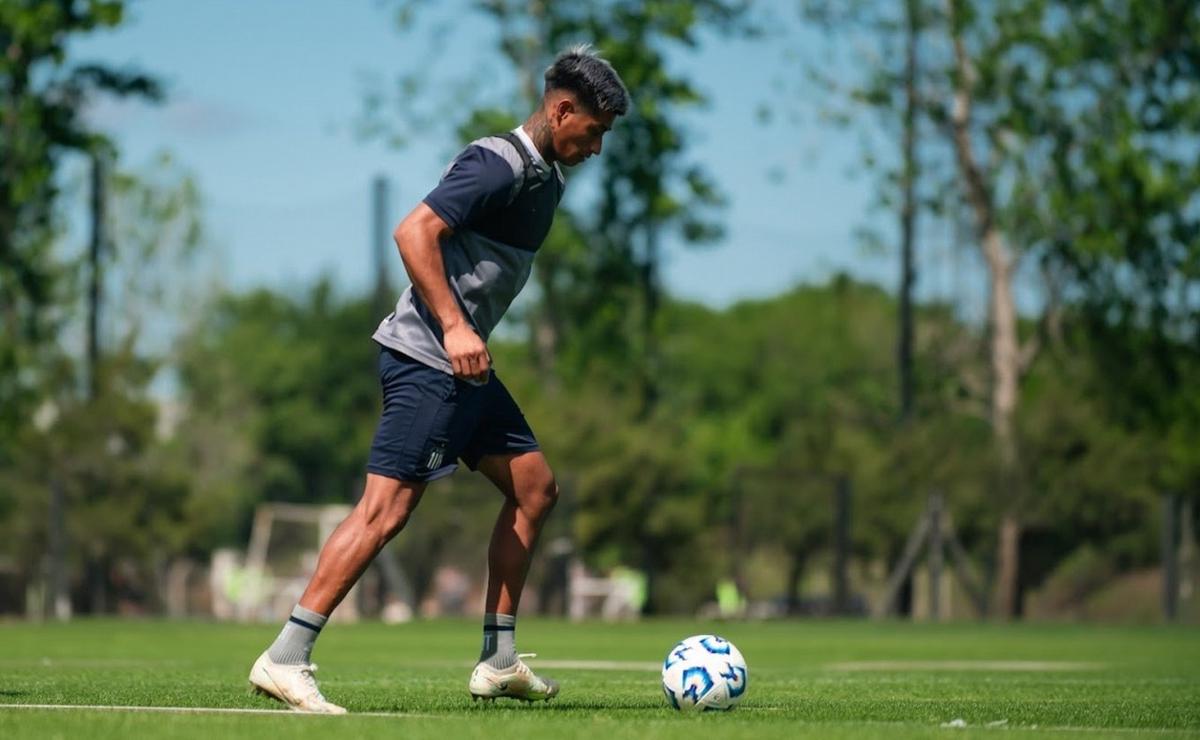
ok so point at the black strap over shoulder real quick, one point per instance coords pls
(520, 147)
(527, 161)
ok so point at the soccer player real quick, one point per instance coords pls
(468, 248)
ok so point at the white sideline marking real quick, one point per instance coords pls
(208, 710)
(964, 665)
(87, 663)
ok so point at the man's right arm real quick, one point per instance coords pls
(419, 238)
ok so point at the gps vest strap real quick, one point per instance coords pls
(527, 162)
(520, 147)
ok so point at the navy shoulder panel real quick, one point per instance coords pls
(476, 184)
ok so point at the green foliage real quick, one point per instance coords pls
(764, 407)
(1089, 118)
(125, 496)
(757, 412)
(1125, 189)
(42, 98)
(299, 373)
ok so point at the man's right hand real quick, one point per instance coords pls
(469, 356)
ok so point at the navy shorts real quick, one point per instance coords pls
(430, 419)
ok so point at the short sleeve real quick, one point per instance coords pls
(477, 183)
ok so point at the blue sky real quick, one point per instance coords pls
(263, 97)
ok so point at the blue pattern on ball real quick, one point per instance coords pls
(677, 653)
(735, 679)
(671, 696)
(715, 645)
(697, 690)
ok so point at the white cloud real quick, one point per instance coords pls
(207, 118)
(189, 118)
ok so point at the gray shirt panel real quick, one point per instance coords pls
(499, 224)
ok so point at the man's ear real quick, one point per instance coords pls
(562, 108)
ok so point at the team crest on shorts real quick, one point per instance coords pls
(436, 456)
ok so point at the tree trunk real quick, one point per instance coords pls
(96, 277)
(650, 301)
(908, 215)
(651, 563)
(96, 580)
(10, 161)
(1002, 317)
(547, 331)
(842, 497)
(1170, 556)
(1005, 380)
(1189, 568)
(58, 587)
(795, 573)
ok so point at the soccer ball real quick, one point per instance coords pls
(704, 673)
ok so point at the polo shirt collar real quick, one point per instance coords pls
(534, 154)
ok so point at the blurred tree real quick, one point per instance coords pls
(98, 444)
(42, 98)
(1075, 127)
(990, 87)
(889, 88)
(989, 59)
(1119, 188)
(738, 459)
(1090, 470)
(305, 387)
(775, 418)
(1033, 97)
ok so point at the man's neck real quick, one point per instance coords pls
(538, 130)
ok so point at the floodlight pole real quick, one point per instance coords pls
(1170, 556)
(841, 544)
(382, 295)
(59, 596)
(935, 557)
(95, 278)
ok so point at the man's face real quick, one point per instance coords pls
(578, 133)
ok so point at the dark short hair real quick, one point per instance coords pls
(592, 80)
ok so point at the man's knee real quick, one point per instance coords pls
(383, 513)
(541, 496)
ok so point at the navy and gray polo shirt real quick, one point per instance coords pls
(500, 205)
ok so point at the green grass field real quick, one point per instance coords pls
(807, 679)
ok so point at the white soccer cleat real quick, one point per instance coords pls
(293, 685)
(516, 682)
